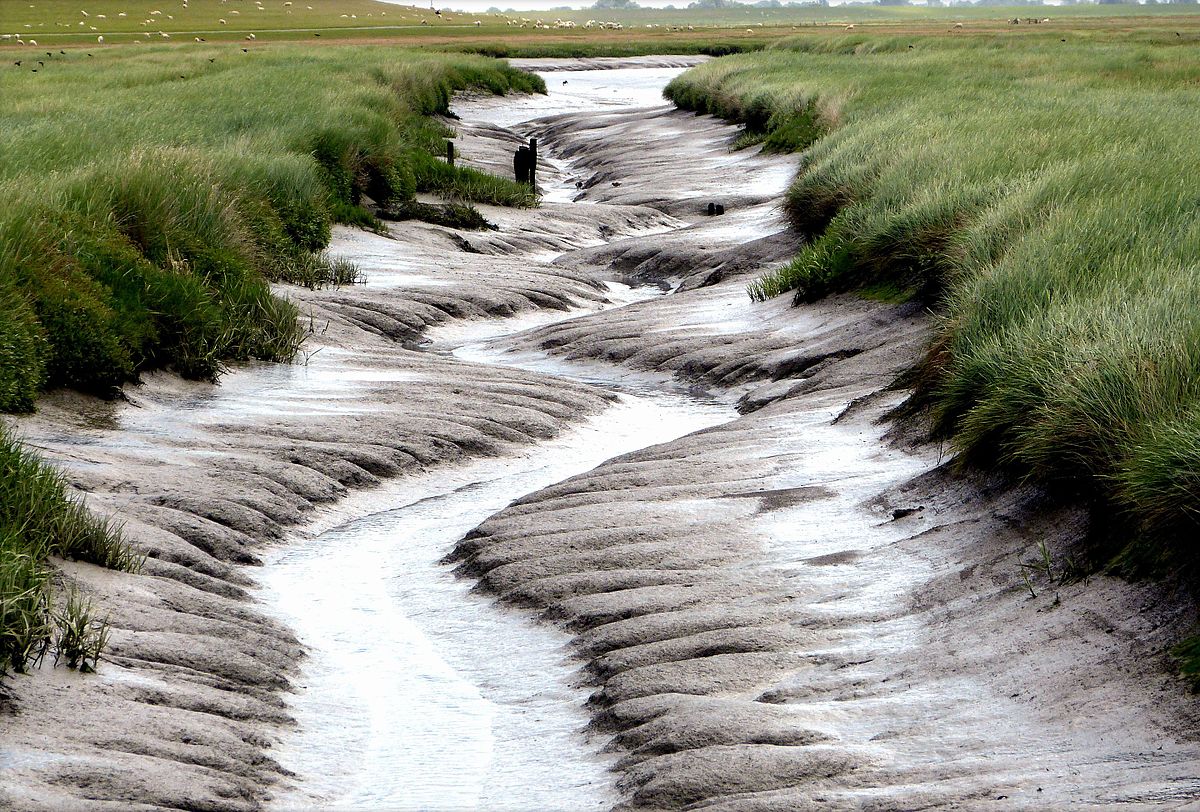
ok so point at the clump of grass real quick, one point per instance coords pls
(38, 520)
(80, 637)
(1012, 184)
(451, 215)
(25, 622)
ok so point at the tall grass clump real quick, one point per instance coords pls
(1040, 195)
(38, 520)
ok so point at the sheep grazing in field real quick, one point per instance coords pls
(84, 13)
(100, 39)
(477, 22)
(222, 22)
(850, 27)
(251, 37)
(33, 42)
(958, 25)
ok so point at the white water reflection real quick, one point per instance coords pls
(573, 91)
(420, 695)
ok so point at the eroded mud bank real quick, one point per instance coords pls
(785, 611)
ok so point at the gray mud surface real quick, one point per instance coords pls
(792, 610)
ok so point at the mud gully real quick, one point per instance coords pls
(554, 517)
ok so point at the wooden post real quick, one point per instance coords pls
(533, 162)
(450, 152)
(521, 167)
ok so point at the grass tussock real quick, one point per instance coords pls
(1040, 194)
(39, 520)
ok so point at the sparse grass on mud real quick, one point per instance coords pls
(1040, 191)
(38, 520)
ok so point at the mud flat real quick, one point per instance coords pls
(797, 608)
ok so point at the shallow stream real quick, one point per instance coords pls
(417, 693)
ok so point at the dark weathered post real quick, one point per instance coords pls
(521, 167)
(533, 162)
(712, 209)
(450, 152)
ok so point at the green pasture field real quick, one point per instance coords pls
(63, 23)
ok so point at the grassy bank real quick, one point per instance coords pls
(147, 199)
(1040, 192)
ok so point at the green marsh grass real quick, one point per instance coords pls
(1041, 196)
(38, 520)
(146, 199)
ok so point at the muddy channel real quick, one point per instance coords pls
(552, 516)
